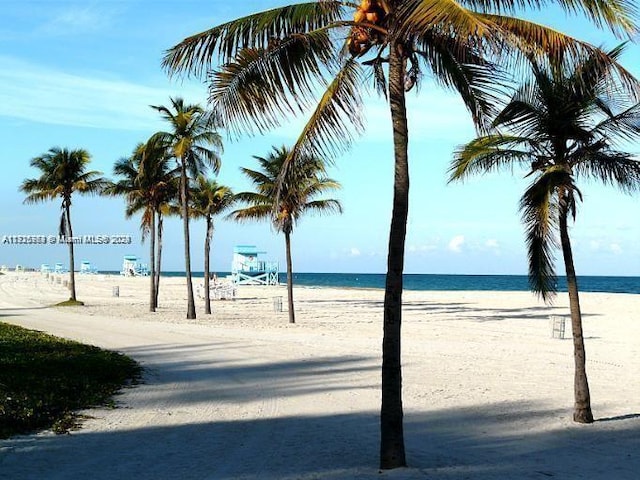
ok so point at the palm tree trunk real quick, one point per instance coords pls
(207, 251)
(582, 408)
(72, 273)
(191, 304)
(158, 258)
(287, 242)
(152, 263)
(392, 452)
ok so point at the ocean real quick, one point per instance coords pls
(447, 282)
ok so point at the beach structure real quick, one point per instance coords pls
(248, 269)
(45, 268)
(131, 267)
(86, 267)
(224, 290)
(60, 268)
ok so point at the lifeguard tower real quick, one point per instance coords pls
(86, 267)
(60, 268)
(248, 269)
(132, 268)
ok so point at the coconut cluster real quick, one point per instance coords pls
(362, 37)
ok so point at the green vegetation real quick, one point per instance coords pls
(44, 380)
(70, 303)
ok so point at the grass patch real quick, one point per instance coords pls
(70, 303)
(45, 379)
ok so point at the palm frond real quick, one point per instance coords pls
(261, 87)
(457, 67)
(324, 206)
(618, 15)
(253, 212)
(617, 169)
(196, 53)
(624, 125)
(336, 119)
(539, 207)
(487, 154)
(418, 17)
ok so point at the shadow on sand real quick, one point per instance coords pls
(265, 441)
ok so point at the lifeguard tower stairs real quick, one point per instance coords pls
(248, 269)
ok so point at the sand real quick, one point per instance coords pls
(241, 394)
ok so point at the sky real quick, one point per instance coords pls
(83, 74)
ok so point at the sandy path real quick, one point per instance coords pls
(243, 395)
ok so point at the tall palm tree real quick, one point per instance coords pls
(561, 126)
(275, 60)
(63, 173)
(208, 199)
(147, 183)
(284, 199)
(196, 146)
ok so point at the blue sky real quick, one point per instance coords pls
(82, 74)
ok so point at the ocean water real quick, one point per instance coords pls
(448, 282)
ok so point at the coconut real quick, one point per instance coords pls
(372, 17)
(355, 48)
(365, 6)
(359, 16)
(360, 35)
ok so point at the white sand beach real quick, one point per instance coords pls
(241, 394)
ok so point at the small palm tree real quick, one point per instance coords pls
(274, 60)
(284, 196)
(196, 146)
(561, 127)
(208, 199)
(63, 173)
(148, 185)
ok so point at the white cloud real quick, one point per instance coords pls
(74, 20)
(615, 248)
(45, 95)
(354, 252)
(492, 243)
(425, 248)
(456, 243)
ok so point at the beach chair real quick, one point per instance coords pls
(224, 291)
(557, 324)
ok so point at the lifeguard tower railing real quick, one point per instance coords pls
(248, 269)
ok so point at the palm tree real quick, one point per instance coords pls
(285, 199)
(195, 146)
(208, 199)
(63, 173)
(148, 184)
(275, 60)
(561, 127)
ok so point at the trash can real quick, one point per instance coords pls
(557, 326)
(115, 292)
(277, 304)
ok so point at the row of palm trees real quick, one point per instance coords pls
(167, 176)
(272, 62)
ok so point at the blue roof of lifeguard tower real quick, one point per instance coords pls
(246, 250)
